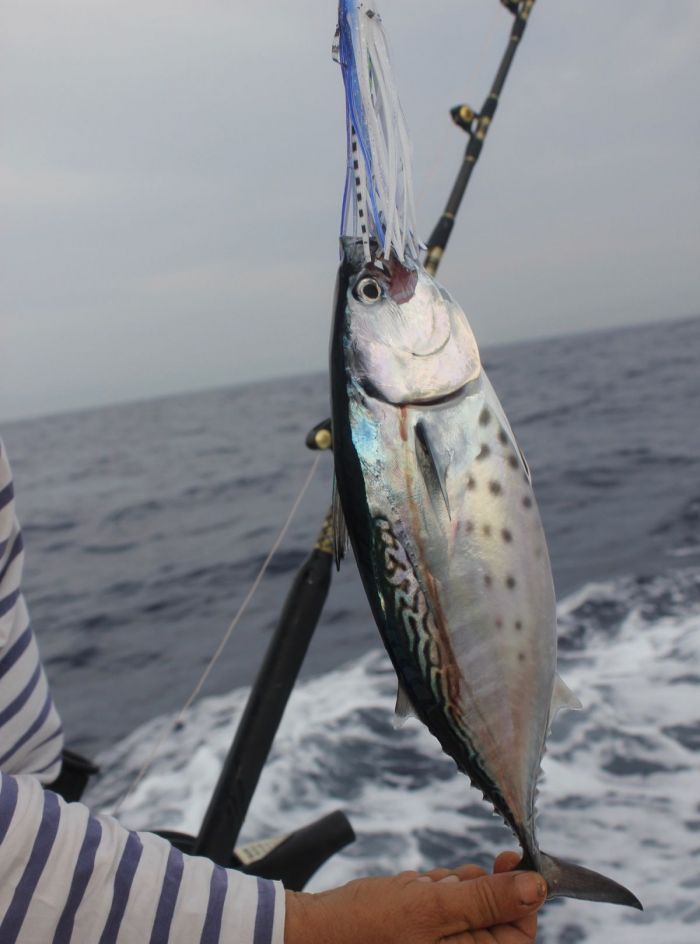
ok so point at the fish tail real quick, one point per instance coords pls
(566, 880)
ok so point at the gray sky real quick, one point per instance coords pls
(171, 175)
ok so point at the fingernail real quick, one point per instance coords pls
(449, 878)
(424, 878)
(531, 887)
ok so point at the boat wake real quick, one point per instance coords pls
(620, 787)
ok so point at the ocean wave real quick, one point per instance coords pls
(619, 792)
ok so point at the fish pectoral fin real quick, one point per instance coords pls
(562, 697)
(340, 531)
(430, 468)
(404, 708)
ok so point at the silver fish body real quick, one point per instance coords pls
(446, 532)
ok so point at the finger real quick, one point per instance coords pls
(464, 873)
(490, 900)
(510, 933)
(435, 875)
(527, 926)
(501, 934)
(506, 862)
(469, 872)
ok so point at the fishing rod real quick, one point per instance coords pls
(294, 858)
(477, 127)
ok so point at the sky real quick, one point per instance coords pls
(171, 174)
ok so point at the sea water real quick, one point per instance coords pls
(146, 523)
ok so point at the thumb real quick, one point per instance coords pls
(492, 899)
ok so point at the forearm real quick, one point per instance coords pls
(68, 876)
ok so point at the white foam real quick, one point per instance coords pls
(621, 791)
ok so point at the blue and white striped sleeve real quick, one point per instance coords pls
(31, 737)
(67, 877)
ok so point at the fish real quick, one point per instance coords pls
(431, 487)
(437, 500)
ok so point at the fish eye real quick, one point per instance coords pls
(368, 291)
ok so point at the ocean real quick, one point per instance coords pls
(146, 523)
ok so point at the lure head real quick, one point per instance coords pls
(406, 340)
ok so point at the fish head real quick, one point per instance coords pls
(406, 340)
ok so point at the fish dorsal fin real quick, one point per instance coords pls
(562, 697)
(404, 708)
(340, 531)
(433, 474)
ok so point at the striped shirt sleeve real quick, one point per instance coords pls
(31, 737)
(67, 877)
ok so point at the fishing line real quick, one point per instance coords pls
(171, 727)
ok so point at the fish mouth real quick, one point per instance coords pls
(465, 390)
(468, 389)
(435, 350)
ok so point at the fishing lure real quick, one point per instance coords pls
(378, 196)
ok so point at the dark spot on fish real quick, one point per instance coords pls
(506, 535)
(521, 657)
(518, 624)
(502, 437)
(527, 502)
(468, 526)
(485, 417)
(498, 622)
(487, 530)
(485, 452)
(471, 483)
(488, 580)
(495, 488)
(513, 461)
(510, 581)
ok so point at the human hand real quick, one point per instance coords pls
(444, 906)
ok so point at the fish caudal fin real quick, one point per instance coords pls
(566, 880)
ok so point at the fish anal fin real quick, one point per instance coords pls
(340, 531)
(430, 468)
(404, 708)
(562, 697)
